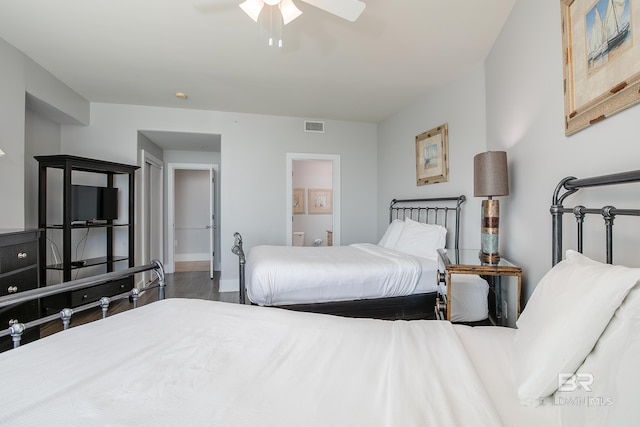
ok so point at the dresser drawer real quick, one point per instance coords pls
(19, 281)
(84, 296)
(18, 256)
(22, 313)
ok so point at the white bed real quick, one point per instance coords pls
(281, 275)
(248, 366)
(401, 268)
(203, 363)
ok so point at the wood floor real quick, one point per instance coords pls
(187, 284)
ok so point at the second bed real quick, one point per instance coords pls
(395, 278)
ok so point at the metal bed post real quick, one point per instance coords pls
(608, 214)
(238, 250)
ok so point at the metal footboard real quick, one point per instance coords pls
(17, 329)
(571, 185)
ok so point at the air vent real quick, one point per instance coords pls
(313, 126)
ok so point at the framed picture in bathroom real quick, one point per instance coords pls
(320, 201)
(299, 206)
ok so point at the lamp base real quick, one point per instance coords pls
(489, 258)
(489, 232)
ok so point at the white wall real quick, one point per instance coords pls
(254, 147)
(525, 117)
(461, 104)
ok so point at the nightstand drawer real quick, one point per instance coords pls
(21, 280)
(14, 257)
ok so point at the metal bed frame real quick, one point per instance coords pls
(17, 329)
(571, 185)
(438, 210)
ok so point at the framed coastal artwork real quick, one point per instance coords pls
(298, 201)
(601, 59)
(320, 201)
(432, 156)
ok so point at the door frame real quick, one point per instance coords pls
(170, 265)
(147, 157)
(335, 159)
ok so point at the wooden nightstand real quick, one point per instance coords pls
(467, 261)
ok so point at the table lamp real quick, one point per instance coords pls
(490, 179)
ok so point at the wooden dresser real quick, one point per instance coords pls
(18, 272)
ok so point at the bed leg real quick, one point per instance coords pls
(104, 304)
(65, 315)
(16, 333)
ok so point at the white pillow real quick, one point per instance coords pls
(563, 320)
(421, 239)
(610, 372)
(392, 234)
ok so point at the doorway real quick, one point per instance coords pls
(313, 182)
(192, 220)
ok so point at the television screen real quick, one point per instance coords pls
(89, 203)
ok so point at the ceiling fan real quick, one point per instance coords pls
(346, 9)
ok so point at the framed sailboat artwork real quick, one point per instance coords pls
(601, 59)
(432, 156)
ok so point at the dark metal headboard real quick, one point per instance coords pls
(571, 185)
(435, 210)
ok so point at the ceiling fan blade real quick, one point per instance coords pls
(346, 9)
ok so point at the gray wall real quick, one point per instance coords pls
(523, 114)
(253, 184)
(525, 117)
(513, 102)
(48, 97)
(460, 104)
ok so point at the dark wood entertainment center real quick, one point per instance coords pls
(70, 165)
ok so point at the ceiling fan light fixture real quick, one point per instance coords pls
(289, 11)
(272, 2)
(252, 8)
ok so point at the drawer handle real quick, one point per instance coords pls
(122, 286)
(22, 255)
(85, 296)
(13, 322)
(12, 289)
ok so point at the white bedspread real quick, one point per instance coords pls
(201, 363)
(281, 275)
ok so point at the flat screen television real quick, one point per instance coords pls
(89, 203)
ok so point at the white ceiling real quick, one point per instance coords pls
(144, 51)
